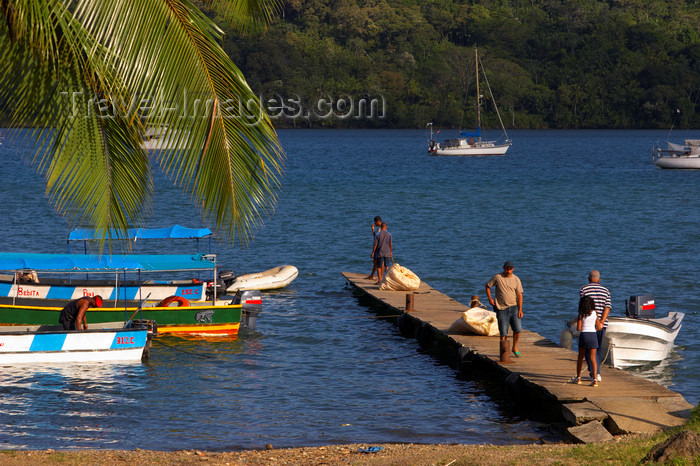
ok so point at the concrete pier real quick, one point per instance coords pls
(538, 380)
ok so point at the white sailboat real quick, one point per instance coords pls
(678, 155)
(472, 143)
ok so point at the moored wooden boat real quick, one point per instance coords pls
(132, 277)
(193, 319)
(216, 316)
(108, 342)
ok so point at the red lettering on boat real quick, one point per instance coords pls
(25, 292)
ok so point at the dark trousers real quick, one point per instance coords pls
(68, 325)
(598, 354)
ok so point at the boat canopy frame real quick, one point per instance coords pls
(69, 263)
(133, 234)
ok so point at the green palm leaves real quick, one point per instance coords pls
(95, 76)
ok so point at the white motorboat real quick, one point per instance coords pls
(163, 138)
(472, 143)
(272, 279)
(678, 156)
(637, 339)
(107, 341)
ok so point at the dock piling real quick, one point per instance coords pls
(410, 297)
(505, 352)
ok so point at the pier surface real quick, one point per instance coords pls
(622, 403)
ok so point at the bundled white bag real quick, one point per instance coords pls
(476, 320)
(399, 278)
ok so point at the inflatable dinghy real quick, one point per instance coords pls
(271, 279)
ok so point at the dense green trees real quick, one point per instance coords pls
(551, 63)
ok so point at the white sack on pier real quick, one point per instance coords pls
(477, 321)
(399, 278)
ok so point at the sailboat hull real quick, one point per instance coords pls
(687, 162)
(471, 150)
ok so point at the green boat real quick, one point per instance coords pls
(174, 315)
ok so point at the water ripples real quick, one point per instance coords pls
(321, 367)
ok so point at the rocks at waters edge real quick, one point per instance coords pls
(685, 444)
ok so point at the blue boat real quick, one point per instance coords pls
(106, 342)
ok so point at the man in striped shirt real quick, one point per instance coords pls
(601, 297)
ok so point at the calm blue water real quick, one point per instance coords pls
(319, 368)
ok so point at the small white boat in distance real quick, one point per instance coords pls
(272, 279)
(640, 338)
(471, 143)
(163, 138)
(103, 342)
(678, 156)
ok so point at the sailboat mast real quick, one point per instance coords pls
(478, 98)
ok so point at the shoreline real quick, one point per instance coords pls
(619, 451)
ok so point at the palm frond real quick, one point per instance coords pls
(153, 64)
(247, 15)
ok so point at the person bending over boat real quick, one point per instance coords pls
(74, 315)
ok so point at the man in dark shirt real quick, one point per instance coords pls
(383, 251)
(73, 316)
(376, 229)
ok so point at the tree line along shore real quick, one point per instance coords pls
(551, 63)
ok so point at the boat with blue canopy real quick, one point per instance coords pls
(134, 234)
(35, 287)
(271, 279)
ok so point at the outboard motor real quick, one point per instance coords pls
(641, 307)
(228, 276)
(224, 281)
(252, 306)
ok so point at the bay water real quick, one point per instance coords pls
(321, 368)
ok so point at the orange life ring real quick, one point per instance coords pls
(174, 299)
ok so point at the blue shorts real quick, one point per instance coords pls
(383, 261)
(588, 340)
(507, 316)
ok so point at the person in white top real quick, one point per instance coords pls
(587, 325)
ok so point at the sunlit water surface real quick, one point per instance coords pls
(320, 368)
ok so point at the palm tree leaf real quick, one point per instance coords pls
(157, 67)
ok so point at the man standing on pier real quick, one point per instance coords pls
(383, 251)
(508, 303)
(376, 229)
(601, 297)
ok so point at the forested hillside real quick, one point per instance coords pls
(550, 63)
